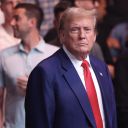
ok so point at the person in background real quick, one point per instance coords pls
(47, 6)
(17, 62)
(7, 38)
(52, 36)
(58, 92)
(118, 39)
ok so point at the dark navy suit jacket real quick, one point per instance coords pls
(56, 97)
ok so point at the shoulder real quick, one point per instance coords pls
(54, 62)
(9, 51)
(48, 68)
(51, 47)
(51, 60)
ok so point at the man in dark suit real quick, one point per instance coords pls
(58, 92)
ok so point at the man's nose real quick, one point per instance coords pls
(14, 4)
(82, 33)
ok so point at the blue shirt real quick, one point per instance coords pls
(15, 62)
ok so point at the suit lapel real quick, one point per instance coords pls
(77, 87)
(100, 78)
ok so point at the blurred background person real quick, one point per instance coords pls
(99, 5)
(52, 35)
(47, 6)
(117, 40)
(17, 62)
(7, 38)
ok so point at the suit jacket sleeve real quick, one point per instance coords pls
(39, 102)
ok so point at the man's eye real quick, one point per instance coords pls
(75, 30)
(87, 29)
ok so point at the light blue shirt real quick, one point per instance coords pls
(15, 62)
(120, 33)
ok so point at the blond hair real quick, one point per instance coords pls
(76, 12)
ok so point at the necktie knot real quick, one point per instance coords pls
(85, 64)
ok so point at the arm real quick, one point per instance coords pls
(2, 98)
(39, 102)
(2, 93)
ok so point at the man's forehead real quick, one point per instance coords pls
(80, 19)
(19, 11)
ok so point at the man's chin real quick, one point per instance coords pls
(85, 51)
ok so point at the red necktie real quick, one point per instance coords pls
(91, 92)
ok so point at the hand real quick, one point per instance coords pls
(22, 84)
(111, 70)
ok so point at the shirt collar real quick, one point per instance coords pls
(73, 58)
(39, 47)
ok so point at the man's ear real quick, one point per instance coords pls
(33, 22)
(61, 36)
(95, 37)
(96, 33)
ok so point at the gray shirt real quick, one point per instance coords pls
(15, 62)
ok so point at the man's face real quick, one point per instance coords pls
(100, 7)
(8, 7)
(20, 23)
(87, 4)
(79, 35)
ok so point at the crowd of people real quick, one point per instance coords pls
(43, 81)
